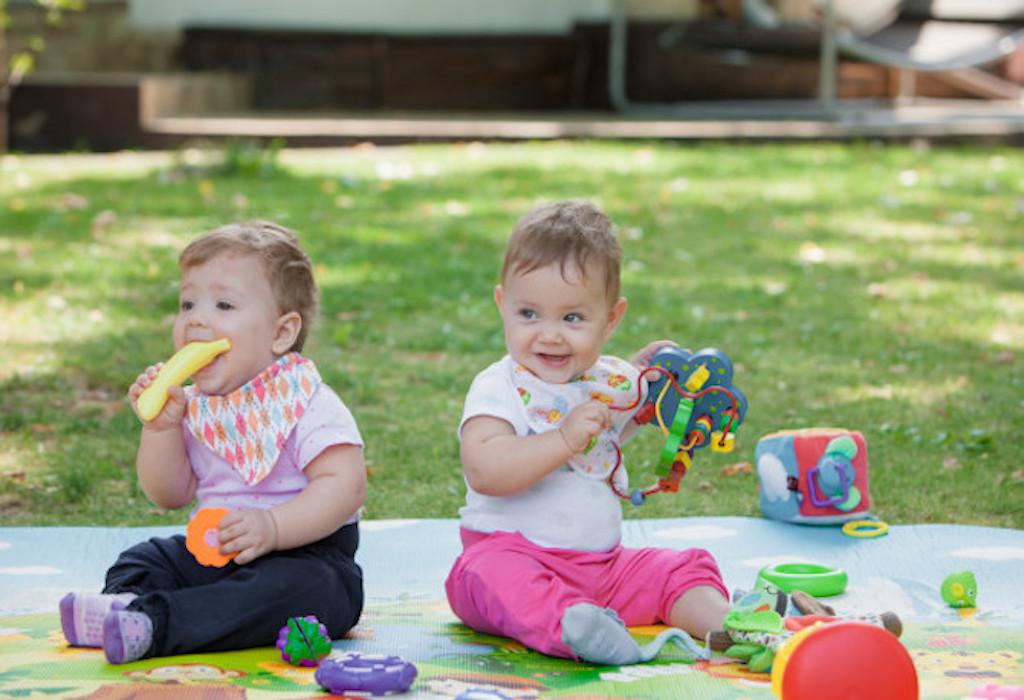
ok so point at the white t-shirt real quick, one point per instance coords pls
(564, 509)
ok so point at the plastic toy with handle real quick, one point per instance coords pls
(182, 365)
(696, 405)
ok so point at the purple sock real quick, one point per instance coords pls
(127, 636)
(82, 615)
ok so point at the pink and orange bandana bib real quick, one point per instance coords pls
(611, 380)
(249, 426)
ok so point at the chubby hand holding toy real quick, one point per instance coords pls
(202, 537)
(695, 404)
(182, 365)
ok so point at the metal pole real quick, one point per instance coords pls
(617, 57)
(828, 61)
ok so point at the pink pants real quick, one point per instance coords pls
(505, 585)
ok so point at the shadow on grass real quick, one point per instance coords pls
(712, 257)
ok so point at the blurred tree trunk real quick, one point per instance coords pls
(16, 64)
(5, 72)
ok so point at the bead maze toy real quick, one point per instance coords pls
(696, 405)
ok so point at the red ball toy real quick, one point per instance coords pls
(850, 660)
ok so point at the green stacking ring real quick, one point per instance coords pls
(817, 579)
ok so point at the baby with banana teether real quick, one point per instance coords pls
(258, 434)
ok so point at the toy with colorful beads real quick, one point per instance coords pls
(696, 405)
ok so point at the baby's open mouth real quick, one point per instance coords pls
(553, 360)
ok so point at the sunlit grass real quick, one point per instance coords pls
(879, 288)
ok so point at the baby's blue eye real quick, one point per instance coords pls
(573, 318)
(528, 314)
(225, 305)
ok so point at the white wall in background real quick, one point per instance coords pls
(374, 16)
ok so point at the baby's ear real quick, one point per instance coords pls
(288, 327)
(615, 315)
(499, 294)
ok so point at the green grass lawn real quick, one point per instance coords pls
(872, 287)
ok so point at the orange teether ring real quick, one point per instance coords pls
(201, 537)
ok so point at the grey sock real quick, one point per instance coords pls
(598, 635)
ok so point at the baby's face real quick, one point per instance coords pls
(230, 297)
(555, 326)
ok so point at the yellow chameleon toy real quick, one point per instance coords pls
(182, 365)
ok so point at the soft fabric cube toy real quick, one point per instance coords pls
(814, 475)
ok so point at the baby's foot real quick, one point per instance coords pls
(598, 635)
(82, 615)
(127, 636)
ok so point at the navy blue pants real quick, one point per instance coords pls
(195, 608)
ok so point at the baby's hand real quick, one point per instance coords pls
(584, 423)
(642, 359)
(173, 411)
(251, 533)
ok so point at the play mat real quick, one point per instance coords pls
(957, 655)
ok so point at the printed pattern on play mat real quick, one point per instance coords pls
(405, 562)
(953, 658)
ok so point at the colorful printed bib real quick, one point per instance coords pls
(249, 426)
(610, 380)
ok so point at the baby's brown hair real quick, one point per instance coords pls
(565, 233)
(285, 264)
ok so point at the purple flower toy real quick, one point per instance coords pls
(303, 641)
(376, 674)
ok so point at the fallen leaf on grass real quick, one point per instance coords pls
(951, 463)
(1017, 476)
(70, 201)
(878, 290)
(103, 221)
(1004, 357)
(737, 469)
(704, 486)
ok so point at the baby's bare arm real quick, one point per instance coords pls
(497, 462)
(161, 463)
(336, 490)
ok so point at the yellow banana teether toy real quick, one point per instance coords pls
(182, 365)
